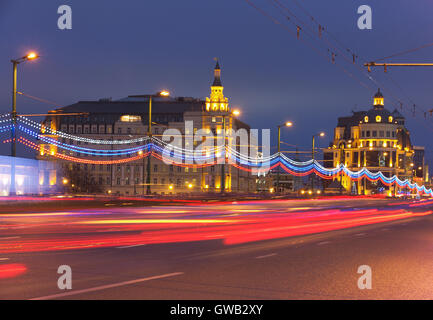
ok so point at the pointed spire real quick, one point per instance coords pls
(217, 75)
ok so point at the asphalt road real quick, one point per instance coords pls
(291, 249)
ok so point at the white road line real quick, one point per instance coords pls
(108, 286)
(266, 256)
(360, 234)
(132, 246)
(323, 242)
(7, 238)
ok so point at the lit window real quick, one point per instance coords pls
(365, 119)
(378, 118)
(130, 118)
(390, 119)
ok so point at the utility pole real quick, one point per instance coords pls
(149, 134)
(312, 175)
(287, 124)
(223, 174)
(15, 62)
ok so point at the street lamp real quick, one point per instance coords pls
(320, 134)
(15, 62)
(235, 112)
(163, 93)
(287, 124)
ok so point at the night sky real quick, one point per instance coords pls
(119, 48)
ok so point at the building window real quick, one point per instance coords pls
(393, 134)
(381, 134)
(378, 118)
(365, 119)
(368, 133)
(119, 130)
(155, 168)
(118, 181)
(130, 118)
(155, 181)
(375, 133)
(388, 134)
(362, 134)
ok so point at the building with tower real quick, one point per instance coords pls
(128, 118)
(376, 139)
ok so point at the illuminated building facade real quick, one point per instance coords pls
(128, 118)
(376, 139)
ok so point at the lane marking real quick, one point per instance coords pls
(108, 286)
(266, 256)
(131, 246)
(4, 259)
(6, 238)
(360, 234)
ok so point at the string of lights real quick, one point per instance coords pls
(186, 159)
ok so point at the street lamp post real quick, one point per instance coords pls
(163, 93)
(236, 113)
(287, 124)
(321, 134)
(15, 63)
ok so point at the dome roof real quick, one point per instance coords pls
(383, 113)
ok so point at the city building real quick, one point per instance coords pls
(128, 118)
(376, 139)
(32, 177)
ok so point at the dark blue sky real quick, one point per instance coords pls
(118, 48)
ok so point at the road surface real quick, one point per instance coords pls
(278, 249)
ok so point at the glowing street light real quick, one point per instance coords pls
(236, 112)
(164, 93)
(31, 56)
(15, 62)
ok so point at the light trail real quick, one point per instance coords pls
(232, 224)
